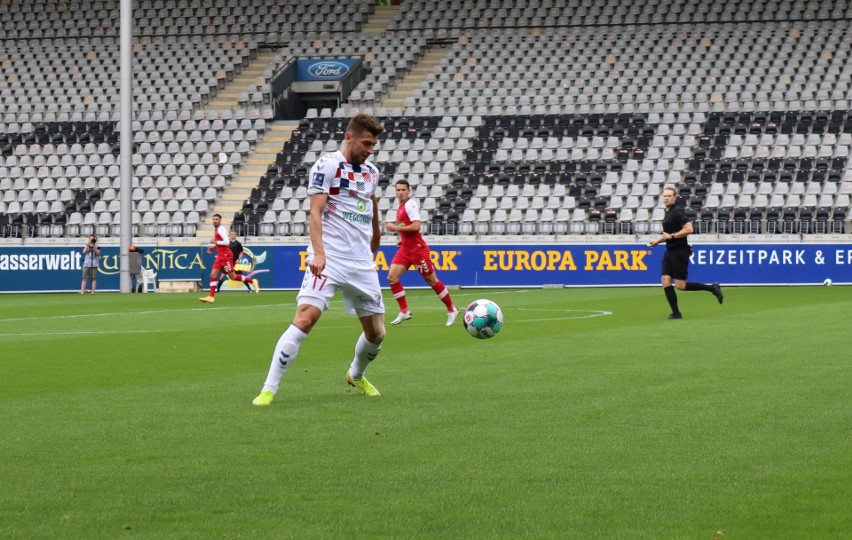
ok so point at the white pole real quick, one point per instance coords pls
(126, 143)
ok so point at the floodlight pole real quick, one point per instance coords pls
(126, 144)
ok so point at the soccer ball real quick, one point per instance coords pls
(483, 319)
(827, 282)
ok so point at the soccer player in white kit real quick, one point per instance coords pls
(344, 232)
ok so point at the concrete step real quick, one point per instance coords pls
(380, 19)
(268, 150)
(261, 160)
(265, 154)
(255, 166)
(287, 127)
(228, 97)
(252, 168)
(267, 146)
(234, 198)
(245, 179)
(414, 78)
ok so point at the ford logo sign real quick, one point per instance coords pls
(328, 69)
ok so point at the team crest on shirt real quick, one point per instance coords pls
(359, 183)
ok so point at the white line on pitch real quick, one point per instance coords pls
(134, 313)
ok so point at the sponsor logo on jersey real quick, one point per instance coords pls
(356, 218)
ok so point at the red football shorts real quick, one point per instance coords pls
(419, 259)
(224, 264)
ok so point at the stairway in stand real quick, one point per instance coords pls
(263, 155)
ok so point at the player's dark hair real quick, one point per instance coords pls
(218, 216)
(362, 122)
(405, 182)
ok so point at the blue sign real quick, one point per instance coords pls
(44, 269)
(325, 69)
(632, 264)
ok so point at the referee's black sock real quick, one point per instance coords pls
(696, 286)
(671, 296)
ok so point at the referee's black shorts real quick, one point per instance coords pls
(676, 262)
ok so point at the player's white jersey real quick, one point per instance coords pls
(347, 220)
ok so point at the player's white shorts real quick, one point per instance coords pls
(358, 280)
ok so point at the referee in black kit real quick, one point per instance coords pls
(676, 227)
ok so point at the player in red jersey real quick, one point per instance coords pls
(413, 251)
(224, 258)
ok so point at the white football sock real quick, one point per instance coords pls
(285, 353)
(365, 352)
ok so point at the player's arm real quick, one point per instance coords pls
(211, 245)
(318, 202)
(223, 235)
(412, 211)
(685, 230)
(376, 240)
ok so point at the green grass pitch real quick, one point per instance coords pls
(589, 416)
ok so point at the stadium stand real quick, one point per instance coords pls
(541, 117)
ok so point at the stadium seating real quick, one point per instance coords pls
(745, 109)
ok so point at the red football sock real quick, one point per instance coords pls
(443, 294)
(399, 294)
